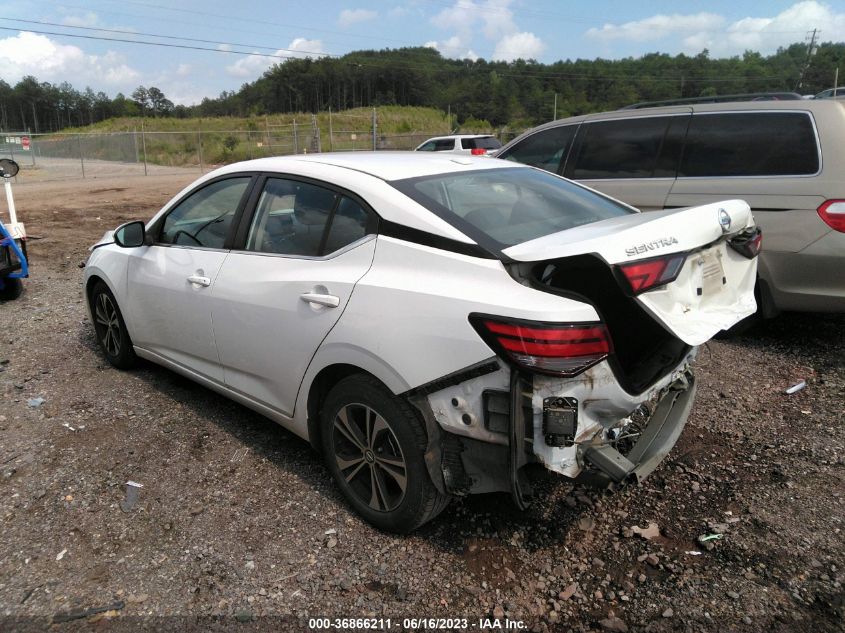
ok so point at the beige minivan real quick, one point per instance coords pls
(785, 158)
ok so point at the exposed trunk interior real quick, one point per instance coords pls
(644, 350)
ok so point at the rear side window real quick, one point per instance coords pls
(750, 144)
(545, 149)
(487, 142)
(509, 206)
(626, 148)
(349, 223)
(291, 218)
(437, 145)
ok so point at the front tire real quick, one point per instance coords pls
(374, 445)
(110, 329)
(12, 289)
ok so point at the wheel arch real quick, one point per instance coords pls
(319, 388)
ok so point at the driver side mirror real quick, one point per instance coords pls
(130, 235)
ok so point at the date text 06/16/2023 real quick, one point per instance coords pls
(419, 624)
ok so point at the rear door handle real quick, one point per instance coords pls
(199, 280)
(329, 301)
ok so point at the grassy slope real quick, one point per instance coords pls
(171, 141)
(391, 120)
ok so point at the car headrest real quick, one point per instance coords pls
(316, 200)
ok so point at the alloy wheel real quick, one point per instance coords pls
(108, 322)
(369, 457)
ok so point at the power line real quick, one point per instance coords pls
(169, 37)
(127, 41)
(385, 64)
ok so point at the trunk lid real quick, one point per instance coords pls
(715, 286)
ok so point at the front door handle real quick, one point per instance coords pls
(329, 301)
(199, 280)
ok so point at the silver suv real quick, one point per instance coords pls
(785, 158)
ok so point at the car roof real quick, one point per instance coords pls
(456, 136)
(383, 165)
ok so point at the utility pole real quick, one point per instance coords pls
(811, 50)
(554, 118)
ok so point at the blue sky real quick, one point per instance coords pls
(489, 29)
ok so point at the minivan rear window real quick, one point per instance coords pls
(486, 142)
(750, 144)
(509, 206)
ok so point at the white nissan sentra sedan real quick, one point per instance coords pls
(432, 324)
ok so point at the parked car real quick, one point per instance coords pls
(476, 144)
(785, 158)
(431, 324)
(830, 93)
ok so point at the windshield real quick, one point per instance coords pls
(509, 206)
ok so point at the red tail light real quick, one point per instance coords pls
(560, 349)
(748, 243)
(477, 151)
(833, 214)
(647, 274)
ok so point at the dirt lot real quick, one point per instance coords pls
(238, 520)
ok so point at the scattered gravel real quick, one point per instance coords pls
(237, 520)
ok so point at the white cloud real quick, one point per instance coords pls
(454, 47)
(252, 66)
(87, 19)
(713, 32)
(519, 46)
(348, 17)
(306, 48)
(491, 18)
(47, 60)
(184, 70)
(656, 27)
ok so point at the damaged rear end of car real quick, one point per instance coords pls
(603, 400)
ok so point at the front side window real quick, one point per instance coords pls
(203, 218)
(444, 145)
(750, 144)
(509, 206)
(545, 149)
(625, 148)
(428, 146)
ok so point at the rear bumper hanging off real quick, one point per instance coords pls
(605, 466)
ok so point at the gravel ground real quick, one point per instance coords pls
(238, 520)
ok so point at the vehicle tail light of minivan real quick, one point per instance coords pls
(647, 274)
(833, 214)
(478, 151)
(559, 349)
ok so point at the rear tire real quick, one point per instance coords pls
(374, 445)
(12, 289)
(109, 328)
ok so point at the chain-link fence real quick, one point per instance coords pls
(143, 152)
